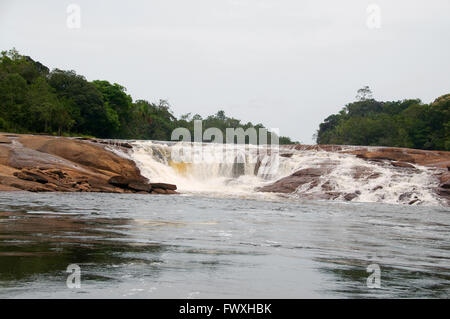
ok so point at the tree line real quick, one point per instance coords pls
(407, 123)
(34, 99)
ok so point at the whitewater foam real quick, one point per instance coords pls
(246, 169)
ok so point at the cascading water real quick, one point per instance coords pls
(242, 169)
(210, 168)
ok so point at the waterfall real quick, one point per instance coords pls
(241, 170)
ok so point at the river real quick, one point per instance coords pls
(193, 246)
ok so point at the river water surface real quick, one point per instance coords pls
(156, 246)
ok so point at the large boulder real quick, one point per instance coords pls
(140, 186)
(83, 153)
(119, 181)
(44, 163)
(134, 184)
(164, 186)
(290, 183)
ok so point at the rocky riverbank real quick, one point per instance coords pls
(400, 159)
(59, 164)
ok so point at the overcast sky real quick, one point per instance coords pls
(285, 63)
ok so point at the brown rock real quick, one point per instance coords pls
(59, 173)
(142, 187)
(23, 184)
(350, 196)
(83, 153)
(363, 172)
(422, 157)
(84, 187)
(445, 185)
(402, 164)
(445, 192)
(327, 186)
(290, 183)
(158, 191)
(407, 195)
(44, 163)
(163, 186)
(119, 181)
(31, 176)
(4, 140)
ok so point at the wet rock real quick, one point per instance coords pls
(445, 180)
(126, 145)
(290, 183)
(444, 192)
(331, 195)
(350, 196)
(158, 191)
(132, 184)
(327, 186)
(141, 187)
(113, 143)
(363, 172)
(406, 196)
(119, 181)
(402, 164)
(445, 185)
(163, 186)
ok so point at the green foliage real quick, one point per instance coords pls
(222, 122)
(35, 100)
(407, 123)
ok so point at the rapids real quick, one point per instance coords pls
(240, 170)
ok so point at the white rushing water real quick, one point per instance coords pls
(239, 171)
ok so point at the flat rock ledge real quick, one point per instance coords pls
(39, 163)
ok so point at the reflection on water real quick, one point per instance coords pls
(34, 244)
(185, 247)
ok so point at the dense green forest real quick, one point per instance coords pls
(34, 99)
(407, 123)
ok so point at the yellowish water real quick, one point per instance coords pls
(180, 167)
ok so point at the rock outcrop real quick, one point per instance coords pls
(307, 179)
(406, 155)
(57, 164)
